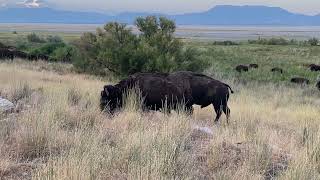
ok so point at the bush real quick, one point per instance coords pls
(272, 41)
(313, 41)
(115, 48)
(225, 43)
(63, 54)
(54, 39)
(34, 38)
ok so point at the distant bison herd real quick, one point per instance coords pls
(161, 89)
(298, 80)
(11, 53)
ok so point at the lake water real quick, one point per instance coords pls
(235, 33)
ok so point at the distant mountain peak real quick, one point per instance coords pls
(32, 3)
(24, 4)
(39, 11)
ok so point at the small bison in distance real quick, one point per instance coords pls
(314, 67)
(255, 66)
(318, 85)
(277, 70)
(155, 90)
(299, 80)
(242, 68)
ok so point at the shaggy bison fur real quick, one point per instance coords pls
(155, 90)
(242, 68)
(180, 87)
(255, 66)
(314, 67)
(276, 69)
(202, 90)
(299, 80)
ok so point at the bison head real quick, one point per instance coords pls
(111, 98)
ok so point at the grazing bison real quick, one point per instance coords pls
(299, 80)
(255, 66)
(318, 85)
(241, 68)
(155, 90)
(314, 67)
(202, 90)
(6, 54)
(276, 69)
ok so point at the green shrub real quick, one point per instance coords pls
(63, 54)
(34, 38)
(273, 41)
(313, 41)
(54, 39)
(225, 43)
(117, 49)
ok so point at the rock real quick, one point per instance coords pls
(6, 105)
(201, 132)
(205, 130)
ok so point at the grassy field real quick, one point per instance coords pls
(58, 131)
(291, 58)
(10, 38)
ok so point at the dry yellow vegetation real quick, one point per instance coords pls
(58, 132)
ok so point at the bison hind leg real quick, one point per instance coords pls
(218, 109)
(226, 111)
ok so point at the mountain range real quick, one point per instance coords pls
(219, 15)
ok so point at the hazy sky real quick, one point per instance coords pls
(172, 6)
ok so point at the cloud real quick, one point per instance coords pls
(31, 3)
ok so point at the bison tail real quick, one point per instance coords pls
(230, 88)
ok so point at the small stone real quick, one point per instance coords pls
(6, 105)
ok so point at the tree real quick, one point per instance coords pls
(117, 49)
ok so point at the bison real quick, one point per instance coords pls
(183, 87)
(314, 67)
(318, 85)
(276, 69)
(155, 90)
(6, 54)
(202, 90)
(255, 66)
(299, 80)
(241, 68)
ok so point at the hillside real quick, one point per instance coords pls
(219, 15)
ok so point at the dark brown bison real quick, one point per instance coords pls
(202, 90)
(155, 90)
(6, 54)
(318, 85)
(314, 67)
(20, 54)
(255, 66)
(241, 68)
(299, 80)
(277, 70)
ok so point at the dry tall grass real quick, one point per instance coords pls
(58, 132)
